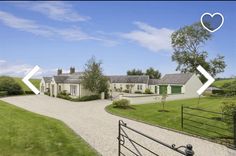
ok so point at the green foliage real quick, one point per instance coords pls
(93, 78)
(126, 91)
(153, 74)
(138, 92)
(8, 84)
(123, 103)
(89, 98)
(148, 91)
(35, 82)
(64, 95)
(3, 93)
(220, 82)
(187, 42)
(29, 92)
(228, 109)
(135, 72)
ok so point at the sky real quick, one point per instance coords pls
(123, 35)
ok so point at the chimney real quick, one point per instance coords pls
(72, 70)
(59, 71)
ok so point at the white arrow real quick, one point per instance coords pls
(210, 79)
(28, 83)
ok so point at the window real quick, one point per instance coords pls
(139, 87)
(114, 86)
(73, 89)
(176, 89)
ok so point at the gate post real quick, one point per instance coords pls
(234, 127)
(189, 150)
(119, 138)
(182, 120)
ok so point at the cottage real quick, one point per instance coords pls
(184, 85)
(64, 82)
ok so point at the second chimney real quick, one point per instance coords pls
(59, 71)
(72, 70)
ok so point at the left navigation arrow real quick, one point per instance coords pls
(28, 83)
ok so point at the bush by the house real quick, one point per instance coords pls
(9, 85)
(64, 95)
(89, 98)
(138, 92)
(123, 103)
(148, 91)
(228, 109)
(28, 92)
(3, 93)
(126, 91)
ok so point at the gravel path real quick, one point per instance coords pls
(100, 129)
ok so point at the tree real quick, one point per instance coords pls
(93, 78)
(164, 96)
(187, 43)
(9, 85)
(153, 74)
(135, 72)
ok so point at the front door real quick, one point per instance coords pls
(156, 89)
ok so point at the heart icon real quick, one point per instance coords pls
(212, 22)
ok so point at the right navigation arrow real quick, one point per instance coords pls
(210, 80)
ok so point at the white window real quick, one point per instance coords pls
(73, 90)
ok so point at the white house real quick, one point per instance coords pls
(181, 85)
(64, 82)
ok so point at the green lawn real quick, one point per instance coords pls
(150, 113)
(220, 83)
(35, 82)
(23, 133)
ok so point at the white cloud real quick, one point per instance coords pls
(23, 24)
(20, 70)
(68, 34)
(152, 38)
(55, 10)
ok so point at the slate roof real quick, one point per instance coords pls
(180, 78)
(47, 79)
(129, 79)
(153, 81)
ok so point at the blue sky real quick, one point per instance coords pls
(124, 35)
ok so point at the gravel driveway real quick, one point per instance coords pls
(100, 129)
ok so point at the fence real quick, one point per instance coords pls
(139, 149)
(209, 124)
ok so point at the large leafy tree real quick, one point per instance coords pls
(187, 43)
(93, 78)
(153, 74)
(135, 72)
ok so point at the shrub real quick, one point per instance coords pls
(89, 98)
(29, 92)
(8, 84)
(3, 93)
(64, 95)
(218, 92)
(138, 92)
(148, 91)
(123, 103)
(228, 109)
(47, 93)
(126, 91)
